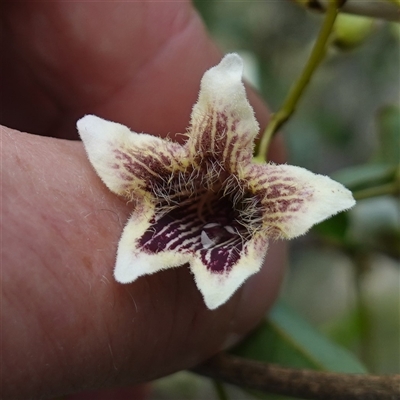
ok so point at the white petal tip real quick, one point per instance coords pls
(232, 61)
(90, 123)
(215, 297)
(230, 67)
(214, 302)
(330, 198)
(96, 132)
(125, 271)
(227, 73)
(91, 127)
(218, 288)
(338, 196)
(130, 265)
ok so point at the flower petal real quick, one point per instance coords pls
(142, 249)
(218, 285)
(223, 126)
(127, 161)
(293, 199)
(220, 258)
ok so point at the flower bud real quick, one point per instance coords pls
(351, 31)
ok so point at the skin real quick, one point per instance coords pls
(67, 326)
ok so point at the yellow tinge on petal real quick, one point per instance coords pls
(294, 199)
(127, 161)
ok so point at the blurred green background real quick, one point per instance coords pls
(344, 276)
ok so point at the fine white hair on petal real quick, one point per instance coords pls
(133, 263)
(222, 87)
(122, 158)
(100, 137)
(222, 121)
(96, 133)
(329, 198)
(90, 127)
(297, 199)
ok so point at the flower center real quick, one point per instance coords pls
(215, 216)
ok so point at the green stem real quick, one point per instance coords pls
(219, 388)
(289, 105)
(381, 190)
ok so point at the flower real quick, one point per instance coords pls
(205, 202)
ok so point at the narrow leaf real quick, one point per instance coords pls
(287, 339)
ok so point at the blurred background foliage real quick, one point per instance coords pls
(343, 278)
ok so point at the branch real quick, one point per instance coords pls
(381, 9)
(374, 9)
(306, 384)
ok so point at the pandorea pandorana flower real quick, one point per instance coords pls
(205, 203)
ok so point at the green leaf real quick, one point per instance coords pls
(350, 328)
(381, 176)
(334, 228)
(389, 135)
(375, 225)
(288, 340)
(366, 176)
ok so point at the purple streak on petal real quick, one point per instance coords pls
(207, 224)
(222, 259)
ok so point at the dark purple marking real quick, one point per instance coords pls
(206, 126)
(181, 228)
(133, 159)
(277, 190)
(261, 182)
(273, 178)
(124, 176)
(283, 205)
(222, 259)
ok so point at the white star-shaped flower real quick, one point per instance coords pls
(206, 203)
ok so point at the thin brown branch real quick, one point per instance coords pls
(301, 383)
(381, 9)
